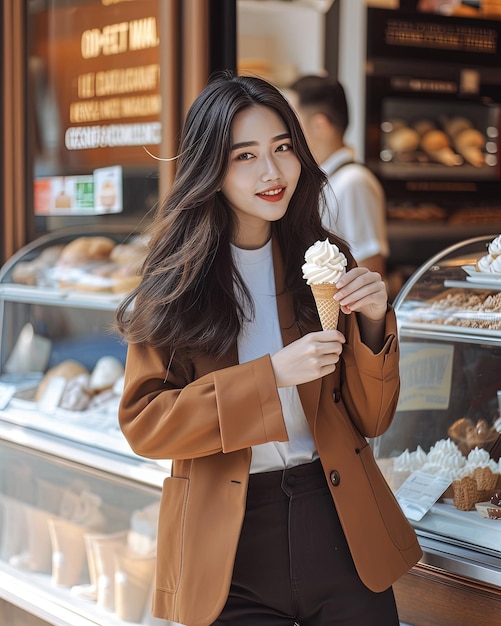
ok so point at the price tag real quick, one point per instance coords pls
(6, 393)
(419, 493)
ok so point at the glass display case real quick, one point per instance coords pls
(441, 456)
(78, 509)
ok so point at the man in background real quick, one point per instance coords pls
(356, 208)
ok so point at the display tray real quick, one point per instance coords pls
(466, 330)
(55, 295)
(74, 425)
(451, 329)
(474, 276)
(470, 308)
(468, 526)
(445, 520)
(420, 169)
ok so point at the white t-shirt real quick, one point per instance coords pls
(262, 336)
(356, 208)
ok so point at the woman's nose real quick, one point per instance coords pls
(270, 169)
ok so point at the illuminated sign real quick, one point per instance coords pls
(97, 77)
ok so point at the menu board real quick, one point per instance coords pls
(95, 72)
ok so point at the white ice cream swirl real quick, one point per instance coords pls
(495, 246)
(484, 263)
(495, 266)
(325, 263)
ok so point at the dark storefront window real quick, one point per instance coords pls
(95, 110)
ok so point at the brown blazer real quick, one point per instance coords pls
(207, 419)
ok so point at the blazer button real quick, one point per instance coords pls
(335, 478)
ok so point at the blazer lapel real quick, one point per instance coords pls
(309, 393)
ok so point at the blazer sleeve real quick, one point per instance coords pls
(371, 382)
(163, 415)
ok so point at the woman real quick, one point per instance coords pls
(275, 512)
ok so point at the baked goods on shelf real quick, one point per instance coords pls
(496, 498)
(84, 250)
(69, 385)
(491, 509)
(473, 301)
(467, 434)
(32, 272)
(437, 145)
(106, 372)
(65, 371)
(94, 264)
(462, 307)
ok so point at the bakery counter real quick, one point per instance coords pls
(77, 532)
(61, 364)
(441, 455)
(78, 509)
(432, 595)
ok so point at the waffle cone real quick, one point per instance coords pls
(465, 493)
(328, 309)
(485, 478)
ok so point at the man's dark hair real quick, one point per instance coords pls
(323, 95)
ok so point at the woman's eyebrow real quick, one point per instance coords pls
(243, 144)
(248, 144)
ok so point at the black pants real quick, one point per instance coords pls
(293, 564)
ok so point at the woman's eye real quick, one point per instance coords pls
(284, 147)
(245, 156)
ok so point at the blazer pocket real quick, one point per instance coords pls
(171, 533)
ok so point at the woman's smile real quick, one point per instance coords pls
(272, 195)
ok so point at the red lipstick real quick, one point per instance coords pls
(274, 194)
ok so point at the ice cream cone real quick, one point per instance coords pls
(485, 478)
(324, 265)
(328, 308)
(465, 493)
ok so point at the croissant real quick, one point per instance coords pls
(423, 126)
(436, 144)
(455, 125)
(403, 139)
(470, 144)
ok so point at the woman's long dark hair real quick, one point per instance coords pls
(188, 297)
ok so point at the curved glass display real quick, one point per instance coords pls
(441, 455)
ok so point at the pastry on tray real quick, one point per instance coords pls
(492, 508)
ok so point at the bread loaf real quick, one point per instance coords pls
(84, 250)
(66, 369)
